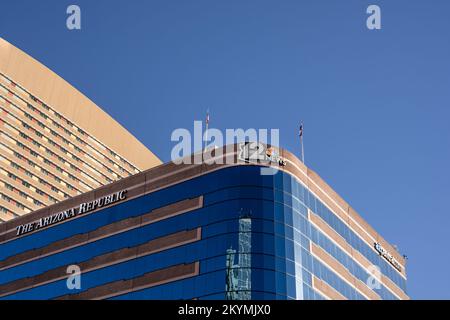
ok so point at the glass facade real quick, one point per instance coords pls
(255, 243)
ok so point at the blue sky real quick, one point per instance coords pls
(375, 104)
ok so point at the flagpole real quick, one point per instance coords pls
(303, 152)
(301, 142)
(206, 132)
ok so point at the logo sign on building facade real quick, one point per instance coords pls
(258, 152)
(70, 213)
(389, 257)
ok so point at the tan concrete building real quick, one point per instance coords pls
(55, 143)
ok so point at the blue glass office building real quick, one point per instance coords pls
(200, 232)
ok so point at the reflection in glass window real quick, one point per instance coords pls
(238, 279)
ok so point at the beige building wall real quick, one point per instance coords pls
(55, 143)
